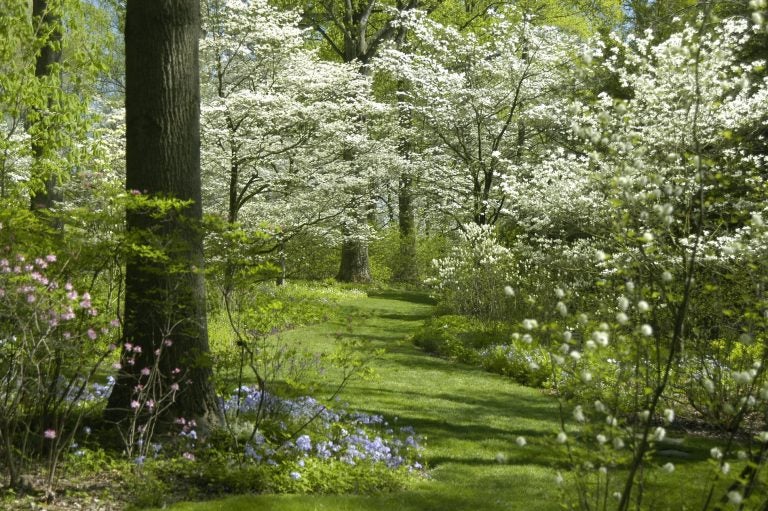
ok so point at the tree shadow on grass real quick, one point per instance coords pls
(419, 297)
(405, 317)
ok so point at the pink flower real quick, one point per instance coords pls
(68, 286)
(50, 434)
(189, 456)
(117, 365)
(175, 387)
(115, 322)
(145, 371)
(167, 342)
(137, 349)
(135, 404)
(92, 334)
(128, 346)
(150, 404)
(51, 258)
(176, 371)
(31, 298)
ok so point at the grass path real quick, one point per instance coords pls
(471, 419)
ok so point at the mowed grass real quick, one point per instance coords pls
(470, 418)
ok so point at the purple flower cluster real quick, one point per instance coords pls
(349, 437)
(93, 393)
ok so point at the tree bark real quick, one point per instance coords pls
(354, 265)
(354, 262)
(407, 269)
(165, 288)
(49, 57)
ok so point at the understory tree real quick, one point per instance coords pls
(279, 128)
(673, 323)
(482, 105)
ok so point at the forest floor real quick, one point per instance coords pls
(470, 418)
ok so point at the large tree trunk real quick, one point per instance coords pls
(354, 262)
(354, 265)
(50, 54)
(165, 292)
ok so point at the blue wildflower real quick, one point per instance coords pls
(303, 443)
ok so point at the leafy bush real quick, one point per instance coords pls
(489, 346)
(472, 278)
(453, 336)
(518, 360)
(52, 342)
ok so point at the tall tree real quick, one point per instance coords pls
(355, 31)
(276, 120)
(165, 313)
(44, 16)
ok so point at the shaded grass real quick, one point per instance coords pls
(470, 418)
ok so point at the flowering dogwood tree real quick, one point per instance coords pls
(279, 123)
(678, 314)
(481, 103)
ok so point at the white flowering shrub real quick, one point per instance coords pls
(470, 280)
(676, 314)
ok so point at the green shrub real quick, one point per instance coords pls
(488, 345)
(453, 336)
(524, 364)
(471, 279)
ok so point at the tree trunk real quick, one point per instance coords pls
(230, 265)
(354, 262)
(50, 55)
(354, 265)
(165, 288)
(407, 270)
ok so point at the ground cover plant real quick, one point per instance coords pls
(472, 422)
(267, 443)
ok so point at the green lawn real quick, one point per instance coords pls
(471, 419)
